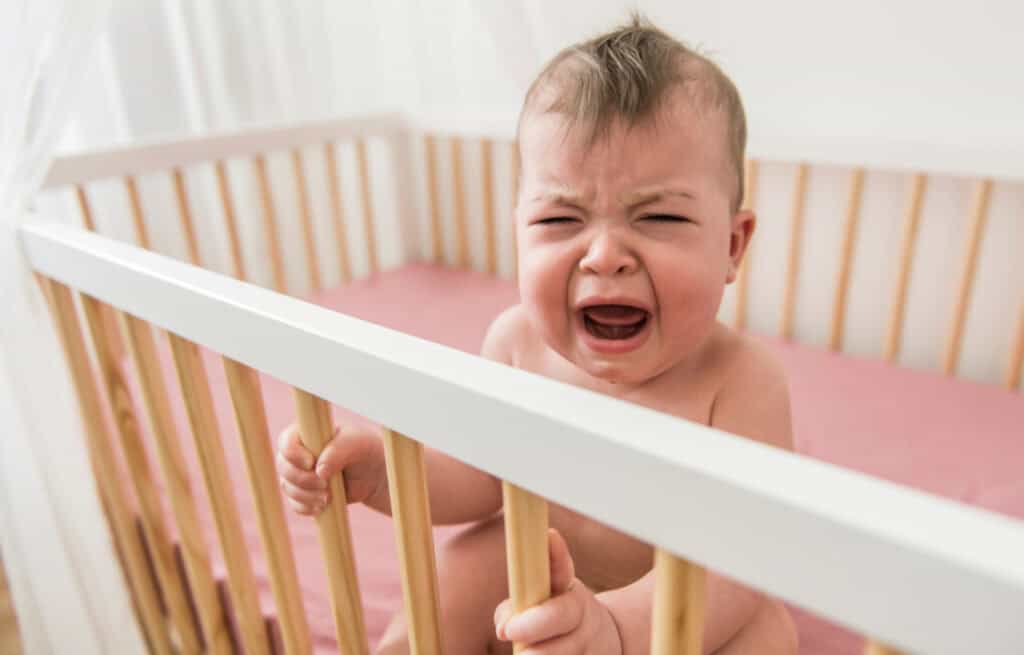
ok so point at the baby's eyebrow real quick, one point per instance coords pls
(646, 196)
(561, 196)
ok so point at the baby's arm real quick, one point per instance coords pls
(458, 493)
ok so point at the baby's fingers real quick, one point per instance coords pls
(553, 618)
(290, 448)
(301, 478)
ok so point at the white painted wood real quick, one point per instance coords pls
(163, 155)
(918, 572)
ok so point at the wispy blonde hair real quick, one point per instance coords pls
(628, 74)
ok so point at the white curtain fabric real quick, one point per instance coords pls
(67, 589)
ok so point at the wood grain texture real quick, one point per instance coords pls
(230, 221)
(127, 539)
(198, 400)
(434, 197)
(362, 165)
(750, 171)
(138, 217)
(911, 223)
(487, 189)
(306, 222)
(526, 544)
(110, 323)
(147, 493)
(796, 231)
(839, 302)
(1015, 362)
(677, 626)
(139, 338)
(337, 212)
(251, 419)
(270, 224)
(410, 508)
(975, 231)
(459, 204)
(315, 429)
(188, 227)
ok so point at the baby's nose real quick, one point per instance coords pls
(607, 255)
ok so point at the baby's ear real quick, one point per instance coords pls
(742, 230)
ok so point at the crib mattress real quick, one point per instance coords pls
(945, 436)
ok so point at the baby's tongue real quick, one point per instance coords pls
(615, 314)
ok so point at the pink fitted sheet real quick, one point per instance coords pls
(945, 436)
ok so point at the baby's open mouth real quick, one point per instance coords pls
(614, 321)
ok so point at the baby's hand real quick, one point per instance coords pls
(356, 451)
(571, 622)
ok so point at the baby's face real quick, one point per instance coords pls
(625, 247)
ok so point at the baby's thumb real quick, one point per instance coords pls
(563, 572)
(332, 458)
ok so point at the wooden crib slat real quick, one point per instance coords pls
(367, 201)
(410, 507)
(116, 346)
(270, 223)
(126, 427)
(138, 219)
(434, 195)
(188, 227)
(459, 205)
(487, 184)
(306, 222)
(128, 539)
(526, 543)
(251, 419)
(979, 213)
(911, 221)
(195, 392)
(877, 648)
(335, 537)
(839, 304)
(172, 463)
(337, 212)
(1016, 361)
(678, 616)
(750, 170)
(230, 223)
(796, 229)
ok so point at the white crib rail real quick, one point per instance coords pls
(916, 571)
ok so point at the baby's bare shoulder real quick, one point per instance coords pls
(753, 399)
(506, 336)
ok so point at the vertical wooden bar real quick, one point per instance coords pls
(526, 543)
(750, 170)
(337, 212)
(230, 223)
(434, 194)
(367, 200)
(678, 614)
(129, 540)
(335, 537)
(796, 231)
(172, 464)
(251, 418)
(270, 223)
(141, 234)
(872, 647)
(839, 304)
(185, 214)
(126, 426)
(1013, 366)
(459, 205)
(410, 507)
(516, 163)
(116, 346)
(487, 182)
(306, 221)
(911, 221)
(979, 212)
(195, 392)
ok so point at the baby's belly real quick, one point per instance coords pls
(604, 558)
